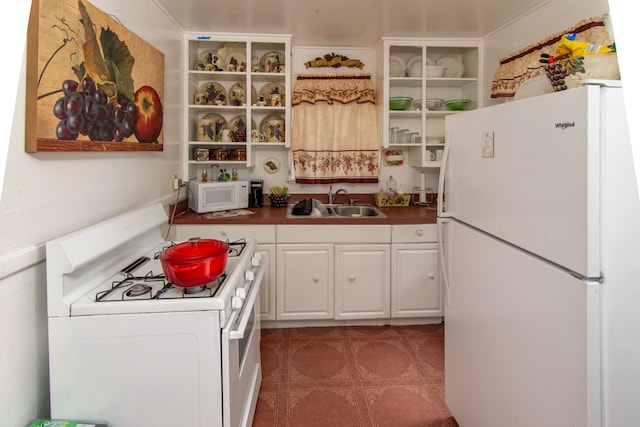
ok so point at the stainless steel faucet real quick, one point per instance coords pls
(331, 196)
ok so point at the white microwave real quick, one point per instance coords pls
(218, 196)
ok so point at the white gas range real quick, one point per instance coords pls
(130, 348)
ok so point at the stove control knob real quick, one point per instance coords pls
(255, 260)
(241, 292)
(236, 303)
(249, 276)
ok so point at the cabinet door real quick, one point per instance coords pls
(268, 289)
(304, 287)
(415, 281)
(362, 282)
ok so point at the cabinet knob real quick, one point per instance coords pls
(419, 232)
(352, 278)
(223, 233)
(316, 280)
(432, 276)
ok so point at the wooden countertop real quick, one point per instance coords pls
(270, 215)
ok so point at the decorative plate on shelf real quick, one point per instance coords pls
(238, 126)
(272, 127)
(207, 61)
(271, 165)
(232, 57)
(430, 61)
(209, 126)
(238, 95)
(453, 67)
(271, 89)
(214, 92)
(397, 66)
(272, 62)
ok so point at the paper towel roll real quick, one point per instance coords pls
(422, 195)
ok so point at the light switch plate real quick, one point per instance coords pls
(487, 144)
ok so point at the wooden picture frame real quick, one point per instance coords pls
(73, 41)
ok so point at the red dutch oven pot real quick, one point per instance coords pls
(195, 262)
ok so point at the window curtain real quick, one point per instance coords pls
(523, 65)
(334, 134)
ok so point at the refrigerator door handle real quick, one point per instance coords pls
(443, 170)
(443, 264)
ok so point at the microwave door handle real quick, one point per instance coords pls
(247, 310)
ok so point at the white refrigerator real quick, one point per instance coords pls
(539, 222)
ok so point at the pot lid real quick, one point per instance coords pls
(195, 250)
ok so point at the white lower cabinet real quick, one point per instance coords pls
(347, 273)
(362, 281)
(415, 272)
(415, 277)
(305, 284)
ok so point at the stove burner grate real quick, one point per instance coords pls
(137, 290)
(130, 280)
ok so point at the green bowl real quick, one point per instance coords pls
(400, 102)
(457, 104)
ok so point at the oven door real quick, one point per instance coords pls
(241, 372)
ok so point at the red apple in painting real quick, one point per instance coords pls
(149, 122)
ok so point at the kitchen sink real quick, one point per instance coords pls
(357, 211)
(318, 209)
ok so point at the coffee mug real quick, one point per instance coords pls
(200, 98)
(226, 135)
(256, 136)
(439, 154)
(432, 155)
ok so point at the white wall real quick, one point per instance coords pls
(49, 194)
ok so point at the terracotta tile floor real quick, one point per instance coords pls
(353, 376)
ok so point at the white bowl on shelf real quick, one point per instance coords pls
(434, 70)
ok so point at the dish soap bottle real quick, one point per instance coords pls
(391, 186)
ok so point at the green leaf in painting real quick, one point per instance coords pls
(93, 61)
(119, 61)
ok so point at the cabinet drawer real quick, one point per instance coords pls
(419, 233)
(334, 233)
(262, 233)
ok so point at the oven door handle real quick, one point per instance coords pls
(247, 309)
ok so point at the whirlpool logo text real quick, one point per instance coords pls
(565, 125)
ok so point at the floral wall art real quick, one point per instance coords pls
(92, 85)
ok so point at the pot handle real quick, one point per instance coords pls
(247, 308)
(194, 240)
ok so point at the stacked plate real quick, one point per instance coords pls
(414, 66)
(397, 66)
(453, 67)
